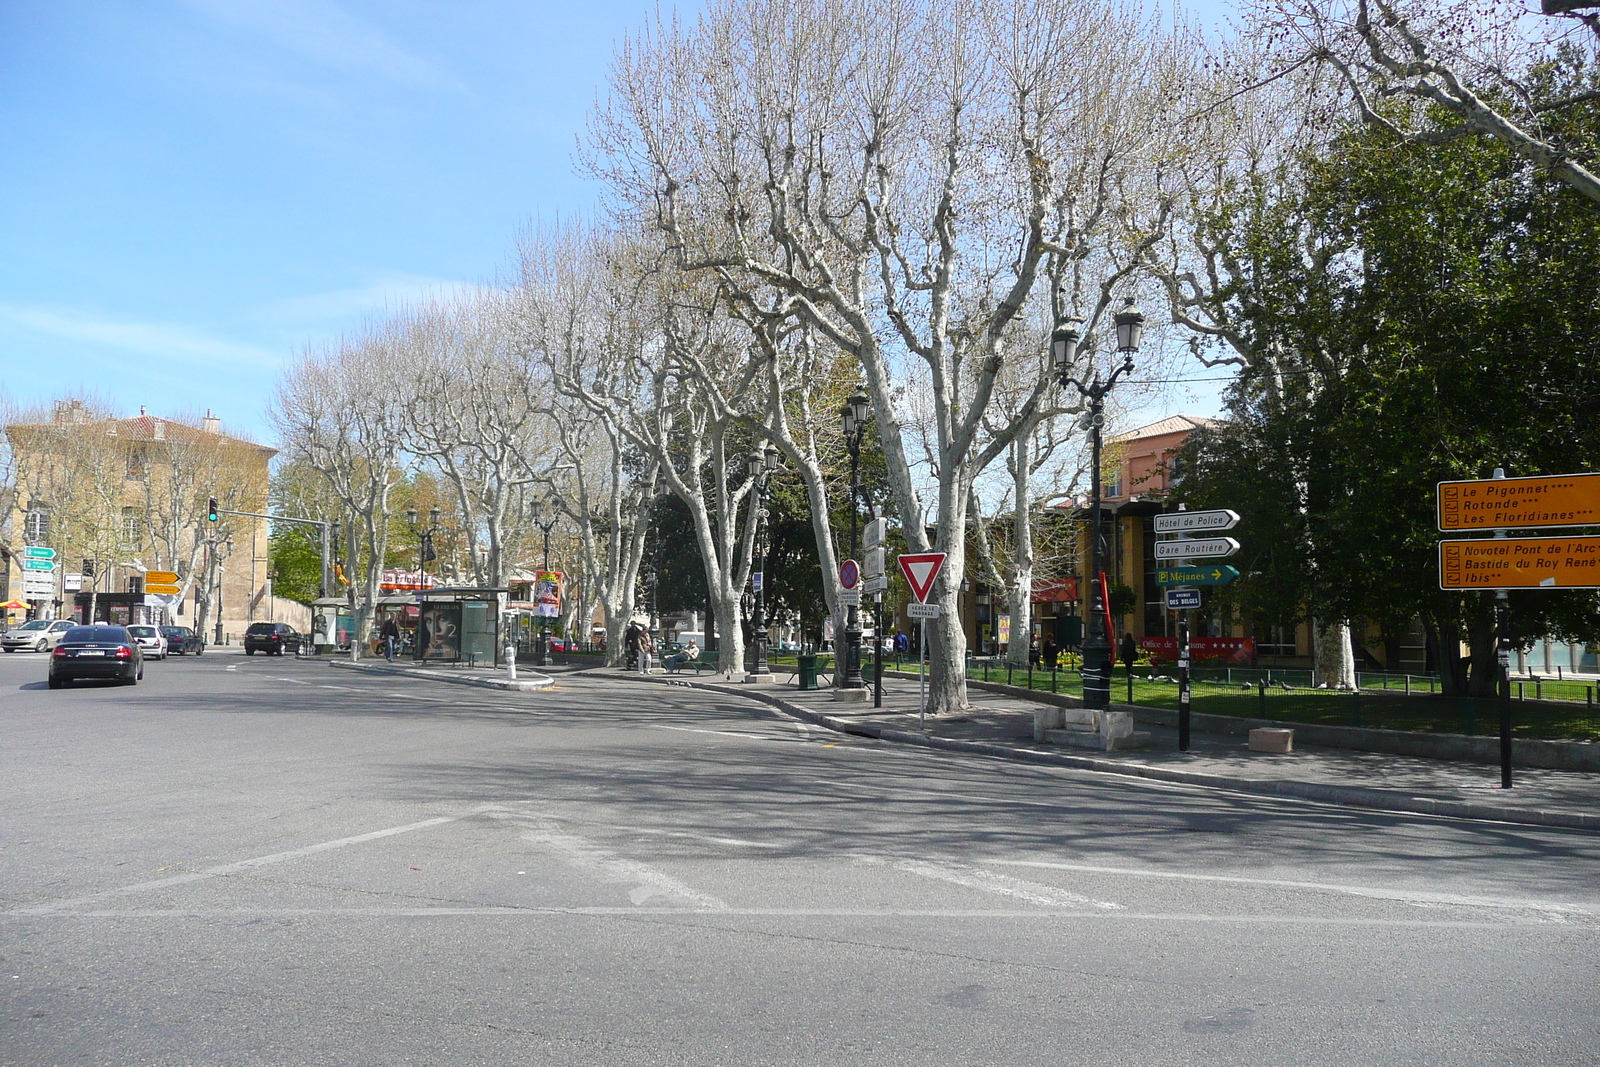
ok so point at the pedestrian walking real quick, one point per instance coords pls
(1047, 654)
(390, 632)
(631, 641)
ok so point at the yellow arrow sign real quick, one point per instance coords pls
(159, 578)
(161, 588)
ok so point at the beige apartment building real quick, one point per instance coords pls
(118, 498)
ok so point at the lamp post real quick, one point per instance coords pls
(425, 552)
(1063, 351)
(762, 464)
(853, 418)
(536, 512)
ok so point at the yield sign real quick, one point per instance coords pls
(921, 569)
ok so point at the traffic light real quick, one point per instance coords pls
(211, 510)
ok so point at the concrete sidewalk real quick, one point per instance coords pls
(1002, 725)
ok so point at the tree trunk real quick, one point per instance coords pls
(1333, 656)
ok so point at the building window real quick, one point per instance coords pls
(36, 526)
(132, 528)
(1276, 641)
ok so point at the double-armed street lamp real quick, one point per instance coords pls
(536, 513)
(1063, 352)
(425, 552)
(762, 464)
(853, 418)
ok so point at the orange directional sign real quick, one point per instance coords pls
(160, 578)
(1512, 503)
(1520, 563)
(161, 588)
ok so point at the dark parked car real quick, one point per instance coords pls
(182, 641)
(273, 638)
(96, 652)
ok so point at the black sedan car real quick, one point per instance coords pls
(273, 638)
(182, 641)
(99, 651)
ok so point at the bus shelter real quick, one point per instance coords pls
(332, 624)
(460, 625)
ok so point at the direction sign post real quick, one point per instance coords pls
(38, 565)
(1520, 503)
(1217, 574)
(1196, 521)
(1199, 548)
(1182, 599)
(38, 552)
(1520, 563)
(1500, 504)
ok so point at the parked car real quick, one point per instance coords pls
(151, 641)
(96, 652)
(40, 635)
(182, 641)
(272, 638)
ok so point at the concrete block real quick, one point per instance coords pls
(1271, 739)
(760, 679)
(1084, 718)
(1128, 742)
(1045, 720)
(1075, 739)
(1115, 725)
(853, 696)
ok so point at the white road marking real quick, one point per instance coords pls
(734, 841)
(1406, 896)
(987, 881)
(224, 869)
(1027, 915)
(649, 883)
(694, 730)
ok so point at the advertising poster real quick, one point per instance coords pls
(440, 632)
(547, 592)
(1003, 629)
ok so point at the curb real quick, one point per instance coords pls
(537, 681)
(1344, 795)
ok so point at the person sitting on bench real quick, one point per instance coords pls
(690, 653)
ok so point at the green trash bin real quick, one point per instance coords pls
(808, 670)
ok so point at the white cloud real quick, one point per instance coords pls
(151, 338)
(322, 32)
(383, 295)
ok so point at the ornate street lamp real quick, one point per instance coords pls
(536, 513)
(762, 464)
(1063, 352)
(853, 418)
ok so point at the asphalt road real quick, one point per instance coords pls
(265, 861)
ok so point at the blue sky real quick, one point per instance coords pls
(194, 190)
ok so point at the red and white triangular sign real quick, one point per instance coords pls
(920, 569)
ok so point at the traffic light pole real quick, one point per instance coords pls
(323, 531)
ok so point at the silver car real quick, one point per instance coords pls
(150, 641)
(40, 635)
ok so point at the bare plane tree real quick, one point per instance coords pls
(340, 412)
(1432, 73)
(905, 178)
